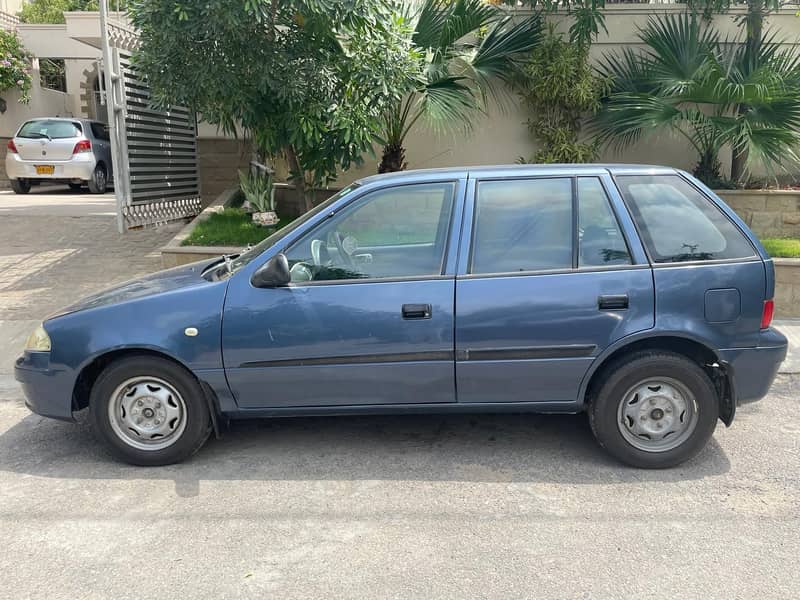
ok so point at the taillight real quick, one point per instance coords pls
(82, 146)
(11, 147)
(766, 316)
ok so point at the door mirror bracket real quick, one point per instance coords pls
(273, 273)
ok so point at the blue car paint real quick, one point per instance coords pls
(149, 313)
(463, 358)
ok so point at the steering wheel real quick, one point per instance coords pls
(345, 244)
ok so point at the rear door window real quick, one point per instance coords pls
(522, 225)
(50, 129)
(678, 223)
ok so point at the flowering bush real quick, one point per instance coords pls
(15, 66)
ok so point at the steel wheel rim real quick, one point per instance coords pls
(147, 413)
(100, 178)
(658, 414)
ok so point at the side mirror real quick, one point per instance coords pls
(273, 273)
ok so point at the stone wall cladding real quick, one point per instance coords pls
(219, 161)
(769, 213)
(787, 287)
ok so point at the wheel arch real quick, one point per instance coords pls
(91, 369)
(693, 348)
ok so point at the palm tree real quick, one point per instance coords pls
(708, 91)
(465, 47)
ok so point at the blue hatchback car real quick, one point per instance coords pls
(632, 293)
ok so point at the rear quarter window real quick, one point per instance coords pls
(678, 223)
(100, 131)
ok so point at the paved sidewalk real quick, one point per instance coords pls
(791, 329)
(58, 246)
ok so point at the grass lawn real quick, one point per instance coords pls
(231, 227)
(782, 247)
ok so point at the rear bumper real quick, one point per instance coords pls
(752, 370)
(48, 392)
(80, 167)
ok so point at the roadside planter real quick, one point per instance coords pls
(175, 254)
(773, 213)
(787, 287)
(769, 213)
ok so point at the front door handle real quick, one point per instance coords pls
(616, 302)
(416, 311)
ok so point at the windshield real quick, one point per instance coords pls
(251, 253)
(53, 130)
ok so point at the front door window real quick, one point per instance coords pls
(397, 232)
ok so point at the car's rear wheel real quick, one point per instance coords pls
(149, 411)
(20, 186)
(98, 182)
(654, 410)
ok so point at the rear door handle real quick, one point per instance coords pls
(617, 302)
(416, 311)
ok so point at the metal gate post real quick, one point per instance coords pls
(115, 109)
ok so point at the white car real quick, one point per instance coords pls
(76, 152)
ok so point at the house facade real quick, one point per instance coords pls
(500, 137)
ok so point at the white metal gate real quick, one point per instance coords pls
(156, 172)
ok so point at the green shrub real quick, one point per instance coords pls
(560, 89)
(15, 66)
(257, 190)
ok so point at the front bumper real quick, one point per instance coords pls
(80, 166)
(752, 370)
(48, 391)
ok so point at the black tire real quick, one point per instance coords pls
(623, 376)
(98, 182)
(75, 187)
(197, 419)
(20, 186)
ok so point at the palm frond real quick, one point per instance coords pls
(447, 102)
(503, 48)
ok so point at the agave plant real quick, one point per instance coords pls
(466, 48)
(711, 92)
(257, 190)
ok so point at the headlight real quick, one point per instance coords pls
(38, 341)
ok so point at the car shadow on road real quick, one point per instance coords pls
(470, 448)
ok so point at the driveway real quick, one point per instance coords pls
(482, 506)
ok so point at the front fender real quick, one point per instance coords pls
(156, 323)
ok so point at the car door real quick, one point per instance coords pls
(368, 317)
(550, 276)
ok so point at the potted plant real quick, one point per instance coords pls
(259, 197)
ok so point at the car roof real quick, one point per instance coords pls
(519, 169)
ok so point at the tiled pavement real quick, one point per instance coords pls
(57, 247)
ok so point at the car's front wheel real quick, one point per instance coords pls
(654, 410)
(20, 186)
(149, 411)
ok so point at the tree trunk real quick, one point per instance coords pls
(738, 162)
(393, 160)
(297, 175)
(754, 29)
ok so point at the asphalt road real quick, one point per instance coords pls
(483, 506)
